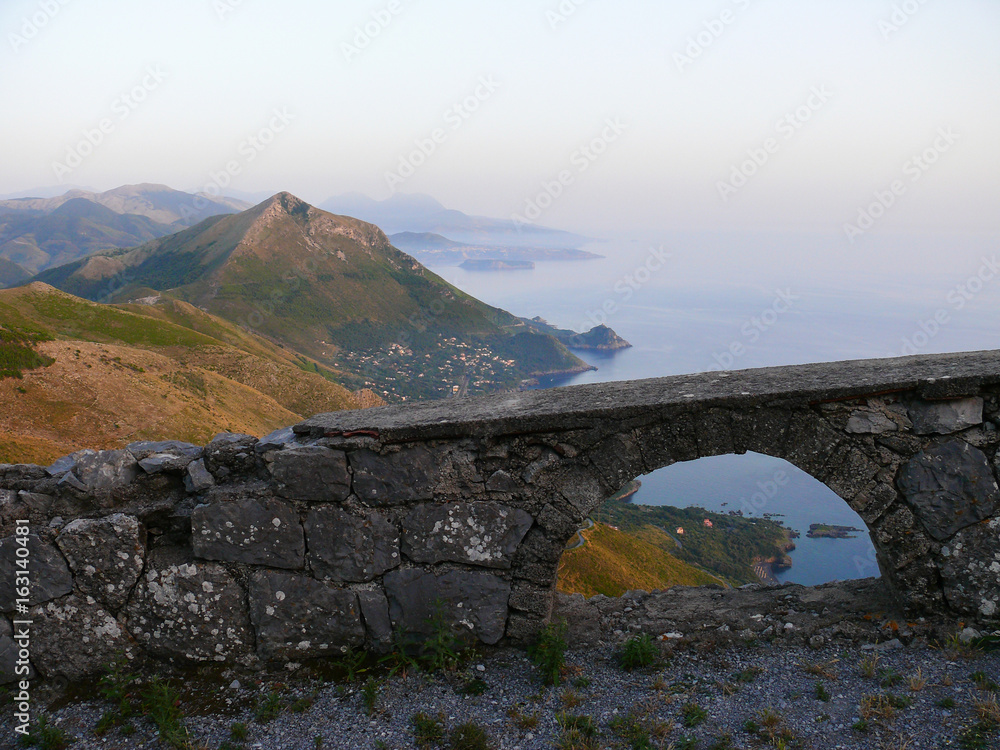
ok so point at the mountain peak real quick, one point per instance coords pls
(313, 223)
(287, 203)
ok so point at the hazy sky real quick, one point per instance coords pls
(515, 90)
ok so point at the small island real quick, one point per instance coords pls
(829, 531)
(476, 264)
(598, 338)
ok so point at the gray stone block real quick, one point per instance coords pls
(146, 448)
(949, 487)
(187, 610)
(557, 524)
(157, 463)
(298, 617)
(715, 433)
(250, 531)
(970, 570)
(277, 440)
(198, 478)
(224, 439)
(945, 417)
(75, 638)
(47, 570)
(471, 603)
(106, 556)
(312, 474)
(24, 506)
(878, 418)
(69, 480)
(501, 481)
(398, 478)
(107, 470)
(483, 534)
(68, 463)
(375, 611)
(810, 442)
(849, 472)
(345, 547)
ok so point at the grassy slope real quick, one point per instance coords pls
(613, 562)
(126, 374)
(106, 396)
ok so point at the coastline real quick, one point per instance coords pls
(536, 377)
(767, 568)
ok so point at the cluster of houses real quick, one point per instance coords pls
(708, 525)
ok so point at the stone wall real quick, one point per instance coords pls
(337, 532)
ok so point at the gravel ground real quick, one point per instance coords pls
(731, 685)
(832, 666)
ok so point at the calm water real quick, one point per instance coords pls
(681, 325)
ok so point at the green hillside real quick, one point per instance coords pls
(77, 374)
(333, 289)
(611, 562)
(727, 548)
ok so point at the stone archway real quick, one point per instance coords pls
(914, 470)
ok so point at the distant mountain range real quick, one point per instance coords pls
(73, 230)
(48, 191)
(48, 227)
(11, 274)
(333, 289)
(157, 202)
(421, 213)
(43, 232)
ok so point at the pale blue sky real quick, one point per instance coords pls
(887, 95)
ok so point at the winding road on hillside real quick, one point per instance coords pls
(580, 540)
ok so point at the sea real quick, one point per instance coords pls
(686, 317)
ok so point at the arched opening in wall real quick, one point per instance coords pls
(729, 520)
